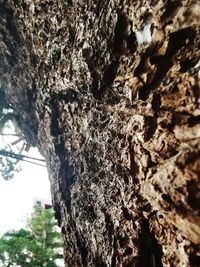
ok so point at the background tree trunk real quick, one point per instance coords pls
(109, 92)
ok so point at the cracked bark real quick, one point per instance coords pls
(109, 92)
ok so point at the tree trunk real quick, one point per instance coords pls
(109, 92)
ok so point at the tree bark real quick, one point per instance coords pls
(109, 92)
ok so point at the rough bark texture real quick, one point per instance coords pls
(109, 92)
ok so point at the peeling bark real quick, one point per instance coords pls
(109, 92)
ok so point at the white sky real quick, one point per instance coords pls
(18, 194)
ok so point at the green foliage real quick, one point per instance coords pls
(8, 166)
(12, 141)
(8, 119)
(15, 247)
(6, 111)
(12, 144)
(37, 245)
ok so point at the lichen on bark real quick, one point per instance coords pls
(109, 92)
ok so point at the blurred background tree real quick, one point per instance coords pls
(40, 244)
(11, 138)
(12, 141)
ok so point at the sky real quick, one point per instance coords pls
(17, 195)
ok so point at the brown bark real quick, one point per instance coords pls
(109, 92)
